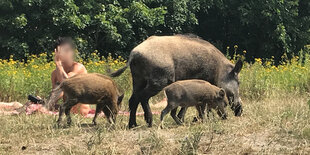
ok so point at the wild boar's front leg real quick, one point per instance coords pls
(201, 111)
(111, 117)
(133, 105)
(61, 110)
(221, 112)
(98, 109)
(69, 104)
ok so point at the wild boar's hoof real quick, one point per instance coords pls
(224, 117)
(238, 110)
(149, 121)
(150, 125)
(69, 122)
(195, 119)
(130, 126)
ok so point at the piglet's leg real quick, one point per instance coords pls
(181, 114)
(165, 112)
(69, 105)
(61, 110)
(67, 112)
(201, 111)
(208, 111)
(173, 115)
(98, 109)
(109, 114)
(221, 112)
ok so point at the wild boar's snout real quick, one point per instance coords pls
(238, 107)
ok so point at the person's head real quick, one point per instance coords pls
(66, 47)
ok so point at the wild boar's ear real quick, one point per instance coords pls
(221, 94)
(237, 67)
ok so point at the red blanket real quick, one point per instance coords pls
(38, 108)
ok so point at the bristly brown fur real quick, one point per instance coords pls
(199, 93)
(92, 88)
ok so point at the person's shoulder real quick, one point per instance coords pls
(79, 66)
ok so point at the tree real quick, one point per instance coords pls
(264, 28)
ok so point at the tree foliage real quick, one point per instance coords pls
(264, 28)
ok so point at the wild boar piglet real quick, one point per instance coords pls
(89, 88)
(197, 93)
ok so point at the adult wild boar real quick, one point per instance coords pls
(89, 88)
(162, 60)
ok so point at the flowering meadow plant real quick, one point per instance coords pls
(259, 79)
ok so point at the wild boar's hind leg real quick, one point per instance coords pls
(152, 88)
(165, 112)
(173, 115)
(133, 105)
(145, 86)
(181, 114)
(138, 84)
(148, 116)
(146, 95)
(169, 107)
(142, 95)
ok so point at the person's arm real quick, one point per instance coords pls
(54, 79)
(60, 72)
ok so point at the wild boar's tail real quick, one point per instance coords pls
(120, 71)
(54, 96)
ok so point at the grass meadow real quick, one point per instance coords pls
(276, 118)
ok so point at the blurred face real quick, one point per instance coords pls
(66, 53)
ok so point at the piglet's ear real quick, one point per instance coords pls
(221, 94)
(237, 67)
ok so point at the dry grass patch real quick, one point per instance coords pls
(270, 126)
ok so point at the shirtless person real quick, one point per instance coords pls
(66, 67)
